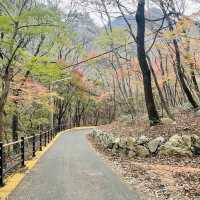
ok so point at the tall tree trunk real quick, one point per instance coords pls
(178, 57)
(15, 131)
(149, 99)
(181, 76)
(163, 102)
(3, 99)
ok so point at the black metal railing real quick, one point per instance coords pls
(13, 155)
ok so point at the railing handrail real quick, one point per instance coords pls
(25, 138)
(44, 138)
(12, 143)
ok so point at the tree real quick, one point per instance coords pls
(172, 8)
(23, 26)
(151, 108)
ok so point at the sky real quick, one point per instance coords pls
(191, 7)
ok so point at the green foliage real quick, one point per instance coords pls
(5, 24)
(115, 38)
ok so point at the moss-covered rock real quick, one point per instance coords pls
(176, 146)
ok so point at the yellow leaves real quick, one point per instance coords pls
(183, 26)
(160, 46)
(169, 35)
(188, 58)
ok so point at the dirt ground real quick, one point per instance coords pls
(161, 178)
(169, 178)
(185, 123)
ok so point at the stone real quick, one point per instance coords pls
(131, 142)
(187, 140)
(143, 140)
(142, 151)
(154, 144)
(197, 113)
(116, 140)
(107, 140)
(125, 118)
(166, 120)
(93, 133)
(195, 144)
(176, 146)
(123, 151)
(131, 154)
(116, 146)
(122, 142)
(115, 149)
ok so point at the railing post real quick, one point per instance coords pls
(48, 136)
(22, 152)
(52, 134)
(45, 139)
(33, 145)
(1, 165)
(40, 141)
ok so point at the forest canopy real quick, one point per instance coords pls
(59, 67)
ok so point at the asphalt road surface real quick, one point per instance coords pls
(71, 170)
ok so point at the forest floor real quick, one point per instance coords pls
(186, 123)
(164, 178)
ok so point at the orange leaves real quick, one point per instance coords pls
(32, 87)
(91, 54)
(61, 62)
(102, 96)
(128, 69)
(78, 72)
(29, 91)
(123, 73)
(81, 82)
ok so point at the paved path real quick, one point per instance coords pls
(71, 170)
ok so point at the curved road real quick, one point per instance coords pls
(70, 170)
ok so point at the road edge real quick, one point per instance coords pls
(14, 180)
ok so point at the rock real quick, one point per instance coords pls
(187, 140)
(195, 144)
(174, 123)
(142, 151)
(176, 146)
(110, 146)
(93, 133)
(197, 113)
(123, 151)
(122, 142)
(131, 142)
(143, 140)
(154, 144)
(125, 118)
(107, 140)
(131, 154)
(116, 140)
(166, 120)
(115, 149)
